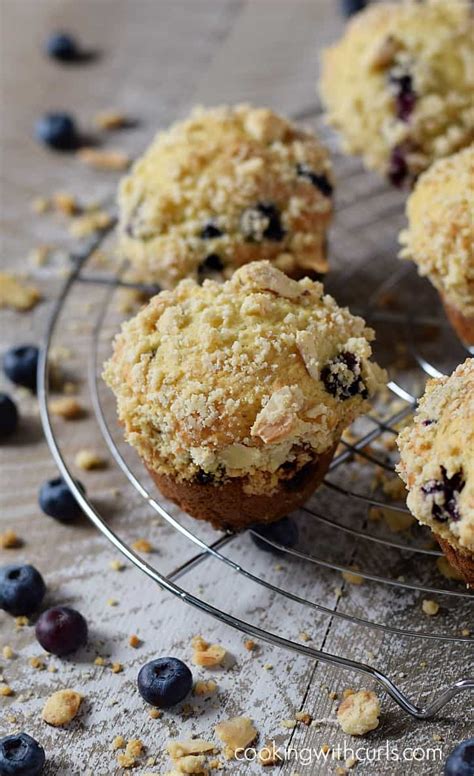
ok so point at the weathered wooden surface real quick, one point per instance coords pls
(158, 58)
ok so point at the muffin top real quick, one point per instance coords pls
(399, 84)
(225, 187)
(240, 378)
(437, 457)
(440, 234)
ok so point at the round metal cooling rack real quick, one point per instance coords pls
(81, 274)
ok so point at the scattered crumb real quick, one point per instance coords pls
(61, 707)
(359, 712)
(352, 578)
(133, 750)
(66, 407)
(204, 654)
(16, 294)
(100, 661)
(104, 160)
(236, 733)
(39, 255)
(111, 119)
(8, 652)
(269, 755)
(250, 645)
(268, 666)
(305, 636)
(142, 545)
(304, 717)
(6, 690)
(37, 663)
(112, 602)
(9, 540)
(65, 203)
(465, 632)
(118, 743)
(289, 724)
(396, 521)
(325, 748)
(116, 668)
(116, 565)
(134, 641)
(88, 224)
(430, 607)
(202, 687)
(22, 621)
(40, 205)
(89, 460)
(155, 713)
(351, 761)
(332, 695)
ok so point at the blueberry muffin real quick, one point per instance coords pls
(437, 465)
(440, 235)
(226, 187)
(235, 394)
(399, 84)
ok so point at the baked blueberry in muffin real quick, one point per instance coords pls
(223, 188)
(437, 465)
(235, 394)
(399, 84)
(440, 235)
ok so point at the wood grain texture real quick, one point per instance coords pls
(157, 59)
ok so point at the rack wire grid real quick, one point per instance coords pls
(336, 533)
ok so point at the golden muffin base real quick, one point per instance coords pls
(229, 507)
(462, 324)
(461, 561)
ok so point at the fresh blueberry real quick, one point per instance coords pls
(284, 531)
(210, 231)
(8, 416)
(164, 682)
(461, 760)
(56, 500)
(22, 589)
(57, 130)
(61, 45)
(350, 7)
(21, 365)
(319, 181)
(262, 222)
(21, 755)
(61, 630)
(342, 377)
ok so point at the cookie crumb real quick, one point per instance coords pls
(250, 645)
(37, 663)
(208, 655)
(304, 717)
(431, 608)
(352, 578)
(61, 707)
(116, 565)
(104, 160)
(116, 668)
(22, 621)
(133, 750)
(269, 756)
(202, 687)
(155, 713)
(289, 724)
(359, 712)
(40, 205)
(236, 733)
(134, 641)
(112, 602)
(6, 690)
(16, 294)
(100, 661)
(65, 203)
(111, 119)
(142, 545)
(8, 652)
(89, 460)
(268, 666)
(95, 221)
(9, 540)
(66, 407)
(118, 743)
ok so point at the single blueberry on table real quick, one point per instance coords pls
(284, 532)
(22, 589)
(56, 500)
(57, 130)
(20, 365)
(21, 755)
(8, 416)
(164, 682)
(61, 630)
(350, 7)
(461, 760)
(61, 45)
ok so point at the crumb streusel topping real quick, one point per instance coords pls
(249, 378)
(223, 188)
(440, 234)
(437, 458)
(399, 84)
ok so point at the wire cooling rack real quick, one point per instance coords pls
(364, 267)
